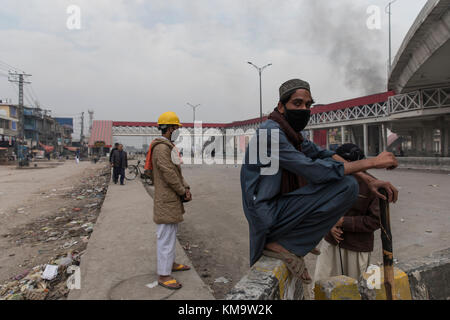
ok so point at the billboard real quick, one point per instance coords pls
(68, 122)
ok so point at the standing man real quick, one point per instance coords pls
(119, 162)
(347, 247)
(116, 146)
(171, 190)
(291, 211)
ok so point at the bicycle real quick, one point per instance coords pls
(134, 170)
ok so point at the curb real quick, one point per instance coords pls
(268, 279)
(426, 278)
(429, 277)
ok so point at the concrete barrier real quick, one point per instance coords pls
(337, 288)
(425, 278)
(268, 279)
(429, 277)
(345, 288)
(425, 163)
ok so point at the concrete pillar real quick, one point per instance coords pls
(343, 134)
(366, 139)
(444, 141)
(384, 136)
(420, 137)
(428, 135)
(328, 140)
(353, 136)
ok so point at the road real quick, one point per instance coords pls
(215, 221)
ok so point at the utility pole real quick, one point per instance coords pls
(82, 128)
(19, 78)
(260, 70)
(194, 108)
(91, 120)
(389, 12)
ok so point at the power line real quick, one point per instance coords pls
(34, 93)
(10, 66)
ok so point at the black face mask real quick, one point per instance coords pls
(298, 119)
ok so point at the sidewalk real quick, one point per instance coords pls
(121, 256)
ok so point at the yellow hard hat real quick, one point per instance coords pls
(169, 118)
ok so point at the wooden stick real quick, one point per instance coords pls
(386, 239)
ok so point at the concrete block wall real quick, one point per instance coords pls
(268, 279)
(429, 277)
(426, 278)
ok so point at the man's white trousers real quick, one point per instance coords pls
(166, 243)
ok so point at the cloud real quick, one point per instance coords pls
(133, 60)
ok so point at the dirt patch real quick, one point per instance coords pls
(59, 238)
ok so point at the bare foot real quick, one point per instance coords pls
(306, 276)
(275, 247)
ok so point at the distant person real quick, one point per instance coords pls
(119, 162)
(116, 146)
(77, 156)
(171, 190)
(346, 249)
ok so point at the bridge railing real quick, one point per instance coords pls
(375, 110)
(418, 100)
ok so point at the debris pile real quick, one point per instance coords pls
(43, 282)
(60, 240)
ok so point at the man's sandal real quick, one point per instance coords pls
(181, 267)
(295, 264)
(167, 284)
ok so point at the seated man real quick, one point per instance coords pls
(347, 247)
(291, 211)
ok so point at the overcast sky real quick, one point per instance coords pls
(133, 60)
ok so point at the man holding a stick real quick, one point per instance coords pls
(346, 249)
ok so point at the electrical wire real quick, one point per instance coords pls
(10, 66)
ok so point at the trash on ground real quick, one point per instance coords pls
(221, 280)
(50, 272)
(152, 285)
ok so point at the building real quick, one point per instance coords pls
(66, 125)
(100, 141)
(8, 125)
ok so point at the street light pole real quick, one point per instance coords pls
(194, 108)
(260, 70)
(389, 12)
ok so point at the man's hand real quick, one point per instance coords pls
(188, 196)
(340, 222)
(337, 232)
(392, 192)
(385, 160)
